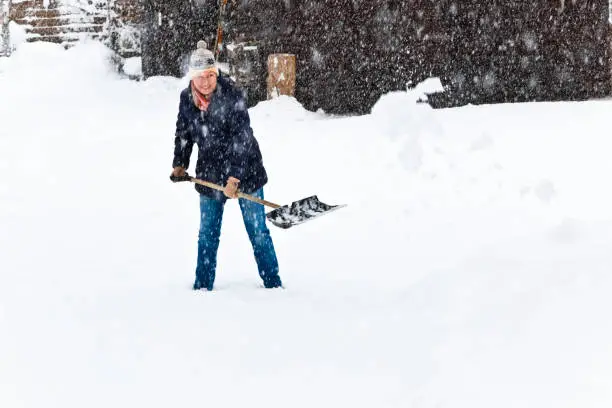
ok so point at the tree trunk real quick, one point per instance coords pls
(5, 43)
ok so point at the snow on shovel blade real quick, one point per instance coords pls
(300, 211)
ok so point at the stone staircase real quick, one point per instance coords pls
(61, 21)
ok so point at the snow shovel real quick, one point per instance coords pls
(283, 216)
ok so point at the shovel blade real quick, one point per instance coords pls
(299, 212)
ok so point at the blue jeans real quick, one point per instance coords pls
(254, 216)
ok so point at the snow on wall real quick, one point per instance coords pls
(124, 27)
(5, 48)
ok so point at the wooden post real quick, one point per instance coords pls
(281, 75)
(5, 41)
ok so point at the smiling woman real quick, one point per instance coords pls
(212, 115)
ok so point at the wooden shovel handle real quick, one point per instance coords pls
(240, 194)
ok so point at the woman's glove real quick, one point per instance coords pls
(231, 188)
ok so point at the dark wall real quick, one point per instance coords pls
(349, 52)
(522, 51)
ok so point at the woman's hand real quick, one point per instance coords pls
(231, 188)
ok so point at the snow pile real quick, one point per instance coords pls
(133, 67)
(408, 123)
(286, 107)
(18, 34)
(471, 267)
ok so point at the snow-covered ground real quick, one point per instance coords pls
(470, 269)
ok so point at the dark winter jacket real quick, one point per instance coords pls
(226, 145)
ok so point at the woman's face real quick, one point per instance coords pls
(205, 83)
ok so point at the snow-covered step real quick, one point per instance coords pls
(61, 21)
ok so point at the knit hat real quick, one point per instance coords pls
(202, 60)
